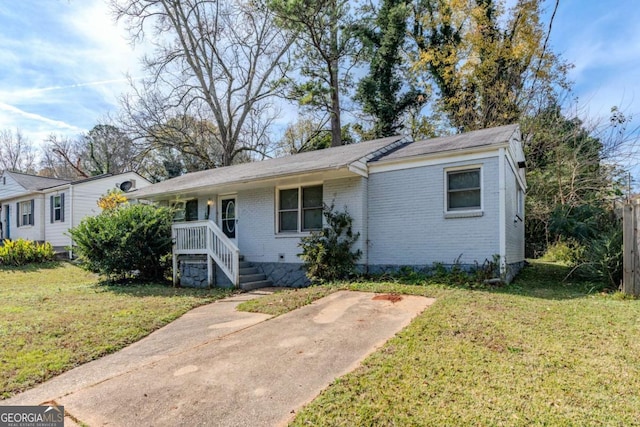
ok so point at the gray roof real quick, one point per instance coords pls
(463, 141)
(391, 148)
(313, 161)
(34, 182)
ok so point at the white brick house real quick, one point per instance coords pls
(440, 200)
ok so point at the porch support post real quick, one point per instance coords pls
(210, 251)
(175, 257)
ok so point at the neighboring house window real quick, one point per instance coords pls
(57, 208)
(300, 209)
(25, 213)
(464, 190)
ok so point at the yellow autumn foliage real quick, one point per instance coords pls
(112, 199)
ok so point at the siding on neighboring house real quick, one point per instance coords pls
(55, 232)
(407, 224)
(9, 188)
(86, 194)
(80, 201)
(85, 198)
(28, 232)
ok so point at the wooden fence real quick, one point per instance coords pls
(631, 247)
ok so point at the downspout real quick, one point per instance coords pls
(502, 216)
(366, 228)
(70, 220)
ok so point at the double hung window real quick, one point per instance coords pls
(464, 190)
(300, 209)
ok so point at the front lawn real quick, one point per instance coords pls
(538, 352)
(54, 317)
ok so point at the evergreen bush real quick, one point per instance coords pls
(328, 254)
(126, 241)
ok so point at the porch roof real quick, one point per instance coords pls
(344, 157)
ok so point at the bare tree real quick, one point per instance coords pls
(62, 158)
(215, 61)
(17, 154)
(104, 149)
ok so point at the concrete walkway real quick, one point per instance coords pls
(216, 366)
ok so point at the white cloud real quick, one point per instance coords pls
(64, 67)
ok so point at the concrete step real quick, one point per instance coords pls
(248, 270)
(249, 286)
(245, 264)
(246, 278)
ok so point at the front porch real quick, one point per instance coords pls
(206, 239)
(203, 242)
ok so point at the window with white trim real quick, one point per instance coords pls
(520, 202)
(299, 209)
(25, 213)
(57, 208)
(464, 190)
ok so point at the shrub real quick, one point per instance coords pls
(328, 254)
(127, 241)
(604, 259)
(112, 199)
(21, 252)
(567, 252)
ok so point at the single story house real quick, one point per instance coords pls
(44, 209)
(453, 199)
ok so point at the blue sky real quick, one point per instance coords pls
(63, 63)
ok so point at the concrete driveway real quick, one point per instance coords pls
(216, 366)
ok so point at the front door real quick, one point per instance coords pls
(229, 217)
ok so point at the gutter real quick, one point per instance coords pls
(70, 220)
(163, 194)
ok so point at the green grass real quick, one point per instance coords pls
(282, 302)
(538, 352)
(56, 316)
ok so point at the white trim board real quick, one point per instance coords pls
(431, 161)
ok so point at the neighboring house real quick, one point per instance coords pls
(452, 199)
(44, 209)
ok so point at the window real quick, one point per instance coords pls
(300, 209)
(25, 213)
(520, 202)
(57, 208)
(463, 190)
(185, 211)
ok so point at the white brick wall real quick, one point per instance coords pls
(514, 227)
(407, 225)
(258, 240)
(352, 194)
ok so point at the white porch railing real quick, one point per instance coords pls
(205, 237)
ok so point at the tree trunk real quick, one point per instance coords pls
(336, 130)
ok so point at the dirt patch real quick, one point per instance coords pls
(394, 298)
